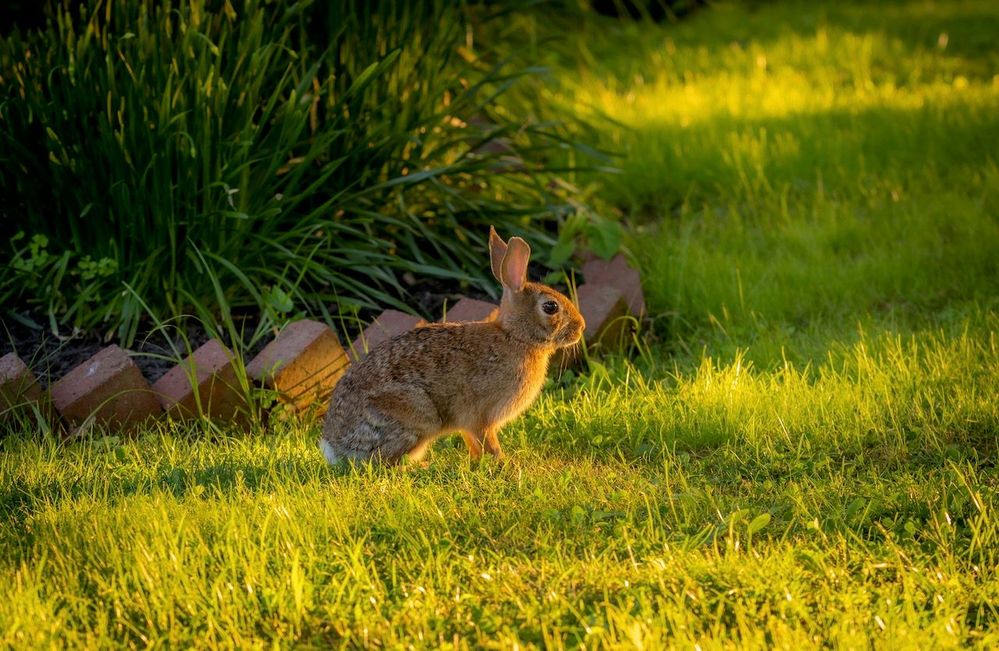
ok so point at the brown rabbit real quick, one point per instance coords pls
(468, 377)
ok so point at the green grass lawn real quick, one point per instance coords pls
(803, 453)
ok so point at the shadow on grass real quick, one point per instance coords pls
(969, 26)
(879, 151)
(955, 29)
(22, 498)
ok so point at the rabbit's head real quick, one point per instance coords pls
(531, 312)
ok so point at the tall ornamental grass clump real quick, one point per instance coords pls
(170, 157)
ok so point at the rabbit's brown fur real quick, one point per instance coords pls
(469, 377)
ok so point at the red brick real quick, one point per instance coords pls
(389, 323)
(303, 364)
(17, 383)
(620, 274)
(469, 309)
(20, 395)
(604, 309)
(109, 388)
(207, 377)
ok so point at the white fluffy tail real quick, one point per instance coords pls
(331, 456)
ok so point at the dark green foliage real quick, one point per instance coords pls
(305, 154)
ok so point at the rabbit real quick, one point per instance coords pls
(468, 377)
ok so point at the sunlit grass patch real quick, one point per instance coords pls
(246, 541)
(896, 399)
(822, 263)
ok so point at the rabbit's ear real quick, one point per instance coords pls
(497, 250)
(514, 270)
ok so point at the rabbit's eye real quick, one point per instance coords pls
(550, 307)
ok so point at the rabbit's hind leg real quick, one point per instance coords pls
(378, 437)
(383, 430)
(399, 420)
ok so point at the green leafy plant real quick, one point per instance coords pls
(584, 228)
(313, 152)
(57, 284)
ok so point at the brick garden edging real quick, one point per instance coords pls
(106, 389)
(204, 383)
(301, 364)
(617, 273)
(470, 309)
(20, 394)
(388, 324)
